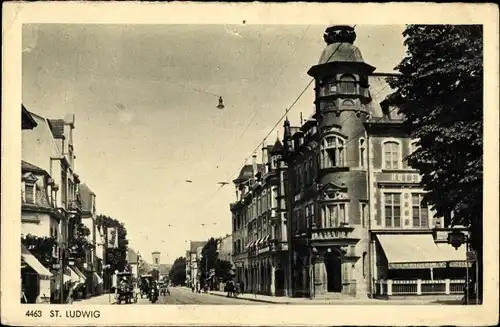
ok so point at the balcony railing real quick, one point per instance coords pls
(419, 287)
(75, 205)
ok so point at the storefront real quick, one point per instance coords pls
(413, 264)
(35, 279)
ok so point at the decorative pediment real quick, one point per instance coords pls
(332, 191)
(29, 178)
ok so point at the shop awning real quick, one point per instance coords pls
(74, 276)
(33, 262)
(418, 252)
(250, 244)
(266, 238)
(98, 278)
(80, 274)
(258, 241)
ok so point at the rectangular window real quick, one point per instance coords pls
(391, 155)
(420, 212)
(392, 209)
(336, 214)
(29, 193)
(364, 214)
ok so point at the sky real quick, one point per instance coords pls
(145, 97)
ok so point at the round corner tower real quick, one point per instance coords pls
(341, 107)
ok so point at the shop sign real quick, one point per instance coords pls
(417, 265)
(263, 250)
(401, 178)
(460, 264)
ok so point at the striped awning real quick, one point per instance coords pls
(80, 275)
(249, 245)
(33, 262)
(258, 241)
(266, 238)
(98, 278)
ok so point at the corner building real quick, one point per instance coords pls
(341, 163)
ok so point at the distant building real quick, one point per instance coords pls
(133, 260)
(225, 248)
(192, 262)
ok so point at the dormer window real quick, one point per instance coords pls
(29, 193)
(347, 84)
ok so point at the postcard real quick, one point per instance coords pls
(249, 164)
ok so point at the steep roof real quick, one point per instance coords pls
(278, 147)
(86, 195)
(379, 90)
(247, 172)
(57, 127)
(28, 167)
(27, 121)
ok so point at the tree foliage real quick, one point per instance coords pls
(115, 257)
(440, 93)
(177, 273)
(155, 273)
(79, 244)
(41, 247)
(210, 260)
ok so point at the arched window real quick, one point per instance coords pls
(392, 155)
(348, 103)
(362, 152)
(332, 152)
(347, 84)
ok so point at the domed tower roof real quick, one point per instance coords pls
(340, 47)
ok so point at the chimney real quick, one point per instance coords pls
(254, 166)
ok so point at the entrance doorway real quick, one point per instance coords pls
(279, 275)
(333, 266)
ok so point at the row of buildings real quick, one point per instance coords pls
(332, 209)
(55, 204)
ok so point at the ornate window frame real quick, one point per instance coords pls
(399, 153)
(338, 148)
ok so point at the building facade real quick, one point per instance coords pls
(48, 147)
(349, 187)
(193, 255)
(259, 224)
(225, 248)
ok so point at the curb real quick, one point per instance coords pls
(250, 299)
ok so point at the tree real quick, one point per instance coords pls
(224, 269)
(79, 244)
(440, 93)
(177, 273)
(115, 257)
(41, 247)
(209, 256)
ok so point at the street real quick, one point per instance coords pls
(182, 295)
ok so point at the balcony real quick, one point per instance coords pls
(341, 232)
(390, 287)
(75, 206)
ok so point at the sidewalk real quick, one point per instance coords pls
(99, 299)
(354, 301)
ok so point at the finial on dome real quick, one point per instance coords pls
(339, 33)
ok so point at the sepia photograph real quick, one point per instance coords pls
(251, 164)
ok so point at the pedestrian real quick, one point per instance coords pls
(242, 287)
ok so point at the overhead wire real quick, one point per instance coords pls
(273, 128)
(258, 110)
